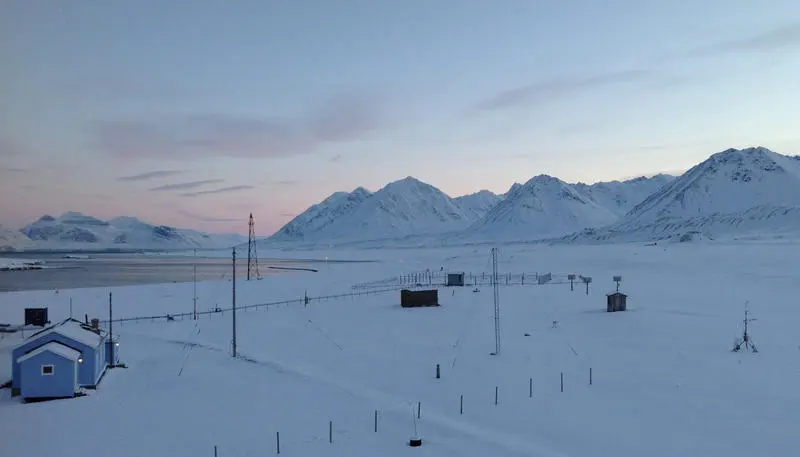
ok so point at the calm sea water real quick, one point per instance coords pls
(105, 270)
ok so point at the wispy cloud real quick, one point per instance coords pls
(149, 175)
(185, 185)
(216, 191)
(214, 135)
(784, 37)
(286, 182)
(287, 214)
(14, 170)
(547, 90)
(202, 218)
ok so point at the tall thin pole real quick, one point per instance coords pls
(194, 285)
(234, 301)
(110, 320)
(496, 302)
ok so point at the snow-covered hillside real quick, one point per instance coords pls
(621, 196)
(74, 230)
(321, 215)
(12, 240)
(748, 192)
(401, 208)
(761, 222)
(727, 182)
(544, 206)
(476, 205)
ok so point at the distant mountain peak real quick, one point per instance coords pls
(407, 182)
(730, 181)
(543, 206)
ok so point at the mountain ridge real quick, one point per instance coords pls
(463, 211)
(75, 230)
(753, 182)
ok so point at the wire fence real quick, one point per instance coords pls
(305, 300)
(443, 278)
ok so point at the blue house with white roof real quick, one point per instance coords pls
(60, 359)
(51, 371)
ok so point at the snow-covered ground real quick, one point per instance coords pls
(665, 382)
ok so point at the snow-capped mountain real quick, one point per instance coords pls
(621, 196)
(544, 206)
(13, 240)
(74, 230)
(476, 205)
(727, 182)
(736, 192)
(402, 208)
(733, 191)
(321, 215)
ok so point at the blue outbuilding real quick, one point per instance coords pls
(51, 371)
(50, 353)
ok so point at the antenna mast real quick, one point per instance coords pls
(252, 255)
(233, 280)
(495, 286)
(194, 285)
(745, 342)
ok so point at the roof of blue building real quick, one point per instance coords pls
(74, 330)
(54, 347)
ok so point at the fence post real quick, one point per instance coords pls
(461, 408)
(330, 431)
(437, 371)
(590, 376)
(215, 451)
(376, 421)
(278, 441)
(496, 389)
(530, 387)
(562, 381)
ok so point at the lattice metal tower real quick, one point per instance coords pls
(252, 255)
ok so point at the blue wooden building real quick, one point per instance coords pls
(50, 371)
(42, 362)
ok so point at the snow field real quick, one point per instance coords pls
(664, 380)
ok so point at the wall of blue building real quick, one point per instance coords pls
(62, 383)
(89, 371)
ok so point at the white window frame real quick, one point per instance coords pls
(52, 369)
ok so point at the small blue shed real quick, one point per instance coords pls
(51, 371)
(90, 341)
